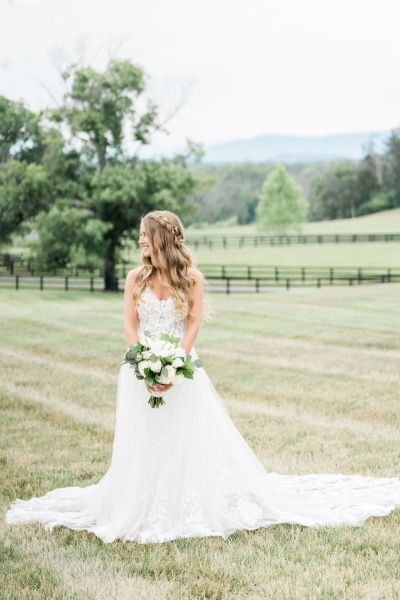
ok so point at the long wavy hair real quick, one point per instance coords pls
(172, 259)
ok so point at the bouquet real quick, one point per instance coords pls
(160, 360)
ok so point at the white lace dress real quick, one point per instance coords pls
(184, 470)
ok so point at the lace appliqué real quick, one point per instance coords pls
(158, 316)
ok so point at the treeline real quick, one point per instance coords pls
(72, 173)
(333, 190)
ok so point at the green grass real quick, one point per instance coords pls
(325, 400)
(360, 254)
(385, 221)
(374, 254)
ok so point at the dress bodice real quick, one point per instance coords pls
(158, 316)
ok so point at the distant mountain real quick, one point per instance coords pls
(290, 148)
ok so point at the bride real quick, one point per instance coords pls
(183, 470)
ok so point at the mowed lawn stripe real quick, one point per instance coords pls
(62, 564)
(298, 420)
(245, 566)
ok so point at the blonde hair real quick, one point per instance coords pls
(172, 259)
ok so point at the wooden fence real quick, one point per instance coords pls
(236, 240)
(226, 281)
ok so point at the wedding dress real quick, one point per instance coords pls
(184, 470)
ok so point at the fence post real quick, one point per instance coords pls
(17, 282)
(223, 271)
(248, 272)
(359, 275)
(276, 274)
(331, 276)
(66, 284)
(117, 283)
(41, 282)
(303, 274)
(389, 275)
(91, 284)
(287, 283)
(318, 282)
(257, 285)
(228, 282)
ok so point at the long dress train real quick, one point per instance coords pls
(184, 470)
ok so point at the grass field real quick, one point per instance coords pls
(385, 221)
(325, 400)
(374, 254)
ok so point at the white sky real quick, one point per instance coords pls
(246, 68)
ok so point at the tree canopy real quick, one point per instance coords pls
(74, 171)
(280, 205)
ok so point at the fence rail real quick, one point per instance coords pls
(230, 240)
(21, 266)
(228, 283)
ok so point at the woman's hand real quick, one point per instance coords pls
(160, 387)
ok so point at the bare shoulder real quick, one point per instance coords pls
(131, 276)
(198, 275)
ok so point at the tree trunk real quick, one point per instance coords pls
(101, 154)
(110, 276)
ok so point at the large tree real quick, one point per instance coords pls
(280, 205)
(19, 130)
(107, 119)
(36, 168)
(391, 183)
(105, 109)
(335, 193)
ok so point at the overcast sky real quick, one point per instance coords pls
(242, 67)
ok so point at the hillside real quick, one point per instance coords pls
(289, 148)
(384, 221)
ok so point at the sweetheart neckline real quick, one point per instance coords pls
(158, 299)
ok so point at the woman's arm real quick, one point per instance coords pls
(192, 326)
(130, 314)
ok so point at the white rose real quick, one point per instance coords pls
(177, 362)
(167, 376)
(147, 354)
(144, 364)
(156, 365)
(180, 352)
(162, 348)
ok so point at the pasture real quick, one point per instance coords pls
(311, 380)
(385, 221)
(374, 254)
